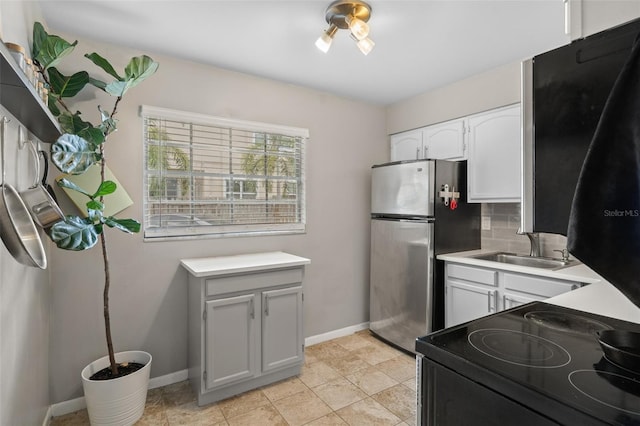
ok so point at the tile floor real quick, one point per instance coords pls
(352, 380)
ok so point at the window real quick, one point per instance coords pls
(216, 176)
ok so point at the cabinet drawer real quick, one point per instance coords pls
(250, 282)
(479, 275)
(546, 287)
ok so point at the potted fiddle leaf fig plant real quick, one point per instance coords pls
(81, 147)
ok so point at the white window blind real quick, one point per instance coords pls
(208, 175)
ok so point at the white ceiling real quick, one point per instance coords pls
(420, 44)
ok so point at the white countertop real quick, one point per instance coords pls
(579, 272)
(222, 265)
(599, 297)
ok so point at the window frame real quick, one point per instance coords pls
(228, 230)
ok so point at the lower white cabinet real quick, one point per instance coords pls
(472, 292)
(245, 330)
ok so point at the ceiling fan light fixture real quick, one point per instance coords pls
(324, 41)
(347, 15)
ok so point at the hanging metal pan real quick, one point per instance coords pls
(42, 206)
(17, 230)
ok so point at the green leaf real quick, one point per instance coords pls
(95, 205)
(95, 216)
(67, 86)
(52, 105)
(93, 135)
(73, 154)
(66, 183)
(52, 50)
(117, 88)
(74, 233)
(107, 124)
(137, 70)
(107, 187)
(98, 83)
(73, 124)
(104, 64)
(39, 36)
(126, 225)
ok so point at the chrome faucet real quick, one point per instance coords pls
(534, 240)
(564, 253)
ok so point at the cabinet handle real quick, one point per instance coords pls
(266, 306)
(417, 153)
(492, 296)
(252, 310)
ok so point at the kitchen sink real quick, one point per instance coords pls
(531, 261)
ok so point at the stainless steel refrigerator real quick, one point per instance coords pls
(415, 216)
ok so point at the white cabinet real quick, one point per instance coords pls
(231, 336)
(490, 141)
(472, 292)
(282, 338)
(245, 327)
(494, 170)
(443, 141)
(406, 145)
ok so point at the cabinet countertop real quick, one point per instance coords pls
(599, 297)
(578, 273)
(223, 265)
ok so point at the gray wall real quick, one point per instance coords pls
(25, 292)
(149, 293)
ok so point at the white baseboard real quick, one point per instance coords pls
(72, 405)
(169, 379)
(69, 406)
(47, 417)
(319, 338)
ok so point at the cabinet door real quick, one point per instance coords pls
(406, 145)
(511, 300)
(445, 141)
(494, 156)
(466, 302)
(282, 335)
(230, 346)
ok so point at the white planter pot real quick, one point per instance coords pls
(118, 401)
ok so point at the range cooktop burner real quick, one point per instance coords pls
(519, 348)
(611, 389)
(567, 322)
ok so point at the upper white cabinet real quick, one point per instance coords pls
(443, 141)
(490, 141)
(494, 171)
(406, 145)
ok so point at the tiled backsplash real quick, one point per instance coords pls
(504, 222)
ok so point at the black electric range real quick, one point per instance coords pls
(536, 364)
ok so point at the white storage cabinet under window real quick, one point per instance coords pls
(245, 322)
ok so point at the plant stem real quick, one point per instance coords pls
(107, 282)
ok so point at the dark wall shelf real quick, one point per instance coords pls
(19, 96)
